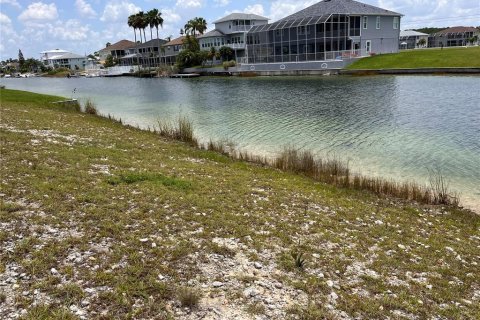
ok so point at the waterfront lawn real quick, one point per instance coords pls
(99, 220)
(458, 57)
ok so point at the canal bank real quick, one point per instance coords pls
(126, 222)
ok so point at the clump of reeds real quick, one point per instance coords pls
(90, 107)
(440, 191)
(181, 130)
(337, 172)
(331, 170)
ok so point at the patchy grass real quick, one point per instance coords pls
(426, 58)
(103, 221)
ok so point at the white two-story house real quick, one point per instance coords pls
(231, 31)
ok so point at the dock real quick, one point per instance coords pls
(185, 75)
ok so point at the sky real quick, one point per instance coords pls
(85, 26)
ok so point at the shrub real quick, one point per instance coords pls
(228, 64)
(90, 107)
(189, 297)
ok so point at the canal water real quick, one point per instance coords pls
(400, 127)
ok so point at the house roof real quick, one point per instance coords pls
(456, 30)
(68, 56)
(241, 16)
(327, 7)
(321, 12)
(175, 42)
(411, 33)
(120, 45)
(150, 43)
(213, 33)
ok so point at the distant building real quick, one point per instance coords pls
(116, 50)
(171, 49)
(63, 59)
(231, 31)
(147, 54)
(410, 39)
(454, 37)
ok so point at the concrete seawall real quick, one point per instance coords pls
(412, 71)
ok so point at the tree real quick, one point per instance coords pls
(154, 18)
(109, 62)
(422, 42)
(131, 24)
(226, 53)
(21, 59)
(195, 25)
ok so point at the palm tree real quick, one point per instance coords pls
(137, 21)
(142, 23)
(131, 24)
(158, 21)
(201, 24)
(194, 25)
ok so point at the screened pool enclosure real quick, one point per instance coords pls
(320, 38)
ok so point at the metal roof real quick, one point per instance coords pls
(350, 7)
(213, 33)
(241, 16)
(411, 33)
(68, 56)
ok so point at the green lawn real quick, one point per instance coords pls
(103, 221)
(428, 58)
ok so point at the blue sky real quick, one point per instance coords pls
(84, 26)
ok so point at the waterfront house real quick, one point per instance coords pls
(231, 31)
(454, 37)
(63, 59)
(171, 49)
(116, 50)
(149, 53)
(316, 37)
(410, 39)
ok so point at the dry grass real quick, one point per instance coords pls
(90, 107)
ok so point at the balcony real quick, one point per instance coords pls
(236, 46)
(240, 29)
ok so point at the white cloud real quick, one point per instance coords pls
(170, 16)
(39, 11)
(85, 9)
(188, 4)
(71, 30)
(118, 11)
(4, 20)
(281, 9)
(255, 9)
(221, 3)
(11, 2)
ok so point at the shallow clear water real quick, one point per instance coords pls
(391, 126)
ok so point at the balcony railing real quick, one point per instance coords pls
(236, 45)
(240, 28)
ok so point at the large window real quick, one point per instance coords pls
(355, 26)
(378, 23)
(396, 22)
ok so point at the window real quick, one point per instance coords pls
(396, 22)
(365, 22)
(378, 23)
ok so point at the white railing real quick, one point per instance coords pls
(117, 70)
(241, 28)
(236, 45)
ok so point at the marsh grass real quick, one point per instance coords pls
(181, 129)
(90, 107)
